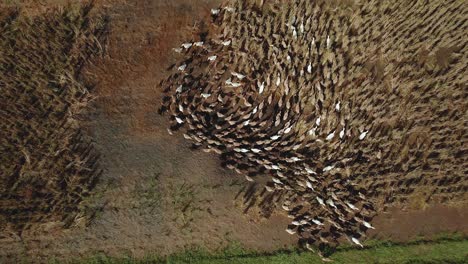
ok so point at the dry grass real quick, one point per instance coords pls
(182, 198)
(47, 164)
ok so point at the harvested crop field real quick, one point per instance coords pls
(48, 165)
(88, 166)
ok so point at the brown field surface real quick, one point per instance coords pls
(155, 194)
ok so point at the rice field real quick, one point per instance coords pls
(47, 164)
(186, 131)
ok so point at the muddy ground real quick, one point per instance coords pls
(156, 195)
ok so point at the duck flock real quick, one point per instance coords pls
(275, 91)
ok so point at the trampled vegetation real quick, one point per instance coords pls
(47, 165)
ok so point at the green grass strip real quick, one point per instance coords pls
(444, 250)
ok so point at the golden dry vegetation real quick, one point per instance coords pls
(47, 165)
